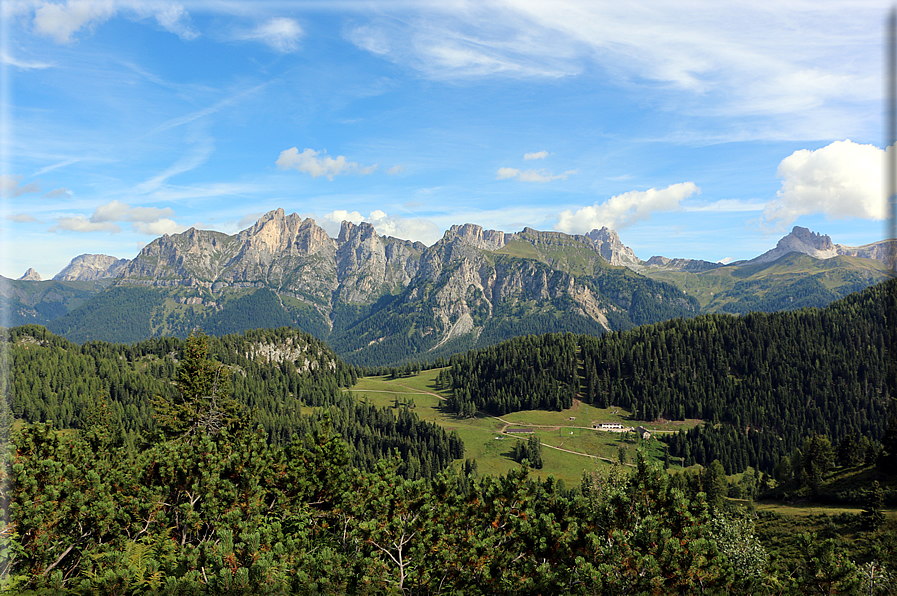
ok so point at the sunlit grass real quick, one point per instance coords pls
(484, 441)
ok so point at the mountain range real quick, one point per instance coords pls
(381, 300)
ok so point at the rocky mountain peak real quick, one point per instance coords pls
(805, 238)
(349, 231)
(92, 267)
(478, 237)
(30, 275)
(800, 240)
(608, 244)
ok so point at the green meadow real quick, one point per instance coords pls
(570, 444)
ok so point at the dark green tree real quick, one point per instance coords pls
(204, 405)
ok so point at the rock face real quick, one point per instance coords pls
(821, 246)
(91, 267)
(608, 244)
(803, 241)
(459, 281)
(30, 275)
(883, 251)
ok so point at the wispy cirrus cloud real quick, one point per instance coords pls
(748, 60)
(531, 175)
(279, 33)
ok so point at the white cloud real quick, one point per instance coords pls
(62, 21)
(463, 41)
(174, 18)
(841, 180)
(506, 173)
(79, 223)
(144, 220)
(117, 211)
(811, 68)
(625, 209)
(281, 34)
(531, 175)
(159, 227)
(10, 186)
(386, 225)
(309, 163)
(538, 155)
(395, 170)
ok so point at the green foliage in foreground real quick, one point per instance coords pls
(232, 514)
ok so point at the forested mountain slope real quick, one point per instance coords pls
(763, 381)
(286, 381)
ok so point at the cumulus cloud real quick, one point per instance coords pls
(531, 175)
(62, 21)
(159, 227)
(626, 209)
(117, 211)
(386, 225)
(10, 186)
(144, 220)
(841, 180)
(79, 223)
(310, 163)
(281, 34)
(538, 155)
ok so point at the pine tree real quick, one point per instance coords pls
(205, 405)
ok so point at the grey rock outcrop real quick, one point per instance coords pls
(30, 275)
(803, 241)
(608, 244)
(92, 267)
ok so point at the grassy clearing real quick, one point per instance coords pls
(484, 441)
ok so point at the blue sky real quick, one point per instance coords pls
(696, 129)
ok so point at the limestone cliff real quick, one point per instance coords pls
(608, 244)
(92, 267)
(30, 275)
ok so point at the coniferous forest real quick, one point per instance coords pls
(763, 381)
(238, 466)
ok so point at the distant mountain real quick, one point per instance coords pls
(91, 267)
(380, 300)
(24, 302)
(30, 275)
(375, 299)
